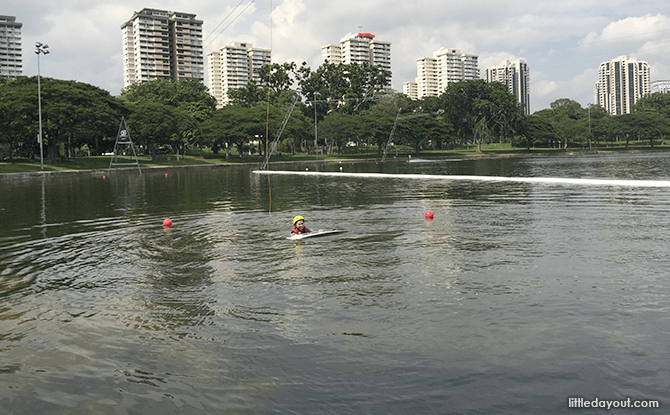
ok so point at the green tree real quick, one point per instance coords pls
(377, 122)
(248, 96)
(420, 126)
(18, 117)
(571, 121)
(651, 117)
(600, 125)
(538, 129)
(189, 102)
(344, 88)
(658, 102)
(296, 129)
(152, 124)
(481, 111)
(236, 126)
(338, 130)
(73, 114)
(275, 86)
(222, 130)
(650, 125)
(421, 131)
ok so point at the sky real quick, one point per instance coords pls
(563, 42)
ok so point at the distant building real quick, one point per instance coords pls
(162, 44)
(621, 83)
(410, 89)
(516, 76)
(662, 86)
(446, 66)
(359, 48)
(233, 66)
(11, 62)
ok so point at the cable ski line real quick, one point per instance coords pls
(395, 124)
(268, 154)
(345, 100)
(224, 19)
(224, 29)
(538, 180)
(267, 124)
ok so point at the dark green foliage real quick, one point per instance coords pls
(74, 114)
(482, 112)
(351, 104)
(167, 113)
(539, 131)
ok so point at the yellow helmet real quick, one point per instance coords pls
(297, 218)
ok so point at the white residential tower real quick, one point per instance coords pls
(621, 83)
(162, 44)
(232, 67)
(516, 76)
(11, 62)
(359, 48)
(434, 74)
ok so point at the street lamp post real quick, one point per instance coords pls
(40, 48)
(316, 143)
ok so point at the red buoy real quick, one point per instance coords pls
(167, 223)
(429, 215)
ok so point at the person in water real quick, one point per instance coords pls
(299, 225)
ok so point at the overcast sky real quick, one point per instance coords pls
(563, 42)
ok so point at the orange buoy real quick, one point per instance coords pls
(167, 223)
(429, 215)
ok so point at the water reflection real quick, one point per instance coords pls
(546, 289)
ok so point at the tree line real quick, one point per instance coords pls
(343, 107)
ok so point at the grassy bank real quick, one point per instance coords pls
(208, 158)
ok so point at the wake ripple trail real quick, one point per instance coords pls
(542, 180)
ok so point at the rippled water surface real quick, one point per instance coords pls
(516, 297)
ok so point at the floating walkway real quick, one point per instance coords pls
(539, 180)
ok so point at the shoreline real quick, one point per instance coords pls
(126, 170)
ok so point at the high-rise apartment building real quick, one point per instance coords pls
(516, 76)
(662, 86)
(359, 48)
(410, 89)
(446, 66)
(162, 44)
(233, 66)
(621, 83)
(11, 62)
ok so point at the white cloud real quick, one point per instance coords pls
(544, 88)
(487, 59)
(628, 31)
(578, 88)
(562, 42)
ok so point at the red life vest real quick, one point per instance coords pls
(297, 231)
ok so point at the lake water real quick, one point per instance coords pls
(517, 297)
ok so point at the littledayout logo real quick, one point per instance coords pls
(609, 404)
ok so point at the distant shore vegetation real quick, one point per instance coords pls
(337, 111)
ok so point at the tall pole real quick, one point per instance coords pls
(316, 142)
(40, 48)
(39, 104)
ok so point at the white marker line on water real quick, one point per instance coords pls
(543, 180)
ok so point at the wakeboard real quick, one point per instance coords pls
(315, 233)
